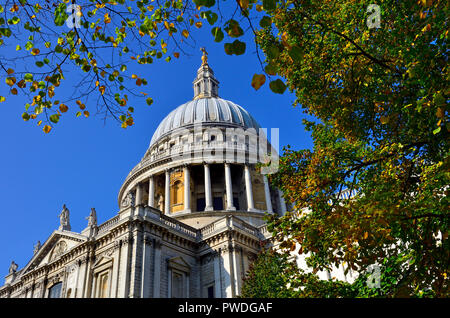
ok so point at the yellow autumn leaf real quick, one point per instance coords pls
(39, 122)
(10, 81)
(47, 129)
(14, 91)
(129, 121)
(9, 71)
(86, 114)
(258, 80)
(384, 120)
(243, 4)
(185, 33)
(198, 24)
(107, 18)
(63, 108)
(35, 51)
(133, 76)
(426, 28)
(102, 89)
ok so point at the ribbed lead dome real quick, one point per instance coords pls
(206, 111)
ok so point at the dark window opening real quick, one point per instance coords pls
(236, 203)
(201, 204)
(55, 291)
(217, 203)
(211, 292)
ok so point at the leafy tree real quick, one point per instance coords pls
(381, 99)
(274, 275)
(268, 277)
(379, 93)
(90, 45)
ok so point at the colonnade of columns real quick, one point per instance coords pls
(229, 206)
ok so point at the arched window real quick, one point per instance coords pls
(55, 291)
(103, 285)
(177, 192)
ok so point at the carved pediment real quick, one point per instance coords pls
(54, 247)
(179, 263)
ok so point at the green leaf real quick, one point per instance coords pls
(296, 53)
(149, 101)
(233, 29)
(265, 22)
(5, 32)
(270, 69)
(277, 86)
(39, 63)
(269, 4)
(217, 33)
(273, 52)
(437, 130)
(54, 118)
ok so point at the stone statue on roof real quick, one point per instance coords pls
(13, 267)
(92, 218)
(64, 219)
(37, 247)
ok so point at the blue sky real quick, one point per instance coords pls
(83, 161)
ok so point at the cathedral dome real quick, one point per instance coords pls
(212, 111)
(201, 161)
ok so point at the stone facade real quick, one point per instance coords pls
(190, 217)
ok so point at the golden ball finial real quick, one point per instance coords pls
(204, 56)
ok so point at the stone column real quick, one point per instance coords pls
(249, 189)
(167, 194)
(229, 188)
(267, 194)
(157, 269)
(146, 260)
(187, 189)
(217, 276)
(151, 192)
(208, 193)
(115, 270)
(228, 269)
(138, 194)
(282, 203)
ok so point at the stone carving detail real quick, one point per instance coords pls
(37, 247)
(128, 200)
(161, 203)
(59, 249)
(64, 219)
(92, 218)
(13, 267)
